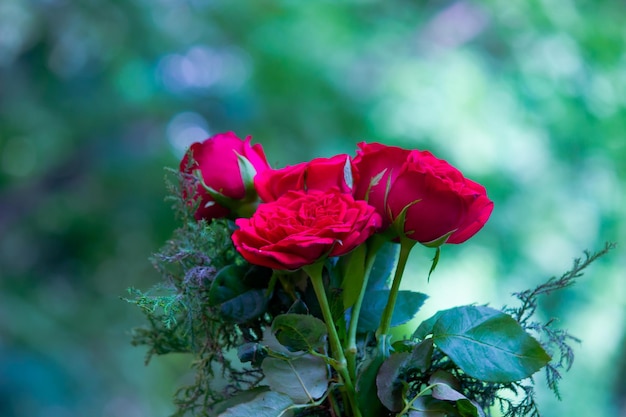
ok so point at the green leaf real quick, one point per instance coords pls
(239, 398)
(421, 356)
(248, 173)
(384, 264)
(227, 284)
(299, 332)
(439, 241)
(245, 307)
(304, 378)
(257, 277)
(366, 390)
(426, 327)
(488, 344)
(435, 262)
(468, 409)
(219, 198)
(447, 388)
(398, 223)
(427, 406)
(388, 383)
(252, 352)
(408, 304)
(298, 307)
(265, 404)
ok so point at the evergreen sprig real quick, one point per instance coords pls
(179, 316)
(558, 342)
(529, 298)
(516, 399)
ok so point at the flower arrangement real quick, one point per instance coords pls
(284, 285)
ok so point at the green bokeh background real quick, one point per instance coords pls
(96, 98)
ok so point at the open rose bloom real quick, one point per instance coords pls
(297, 271)
(302, 227)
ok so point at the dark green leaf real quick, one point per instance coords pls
(468, 409)
(408, 304)
(265, 404)
(245, 307)
(426, 327)
(257, 277)
(427, 406)
(298, 307)
(384, 264)
(227, 284)
(299, 332)
(366, 390)
(446, 386)
(240, 398)
(388, 383)
(421, 356)
(402, 345)
(488, 344)
(252, 352)
(303, 379)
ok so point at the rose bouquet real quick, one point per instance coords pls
(284, 285)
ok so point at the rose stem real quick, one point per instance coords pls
(385, 322)
(315, 273)
(373, 245)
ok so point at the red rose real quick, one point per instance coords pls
(301, 227)
(318, 174)
(218, 158)
(438, 199)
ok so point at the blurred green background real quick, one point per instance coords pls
(96, 98)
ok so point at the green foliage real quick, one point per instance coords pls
(366, 387)
(299, 332)
(466, 360)
(304, 378)
(407, 306)
(388, 384)
(203, 277)
(488, 344)
(556, 341)
(262, 404)
(459, 362)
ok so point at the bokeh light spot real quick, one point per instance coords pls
(185, 129)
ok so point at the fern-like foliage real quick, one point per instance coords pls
(557, 342)
(179, 316)
(516, 399)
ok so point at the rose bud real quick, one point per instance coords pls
(421, 197)
(225, 167)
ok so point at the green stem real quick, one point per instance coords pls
(409, 405)
(334, 405)
(385, 322)
(315, 273)
(373, 245)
